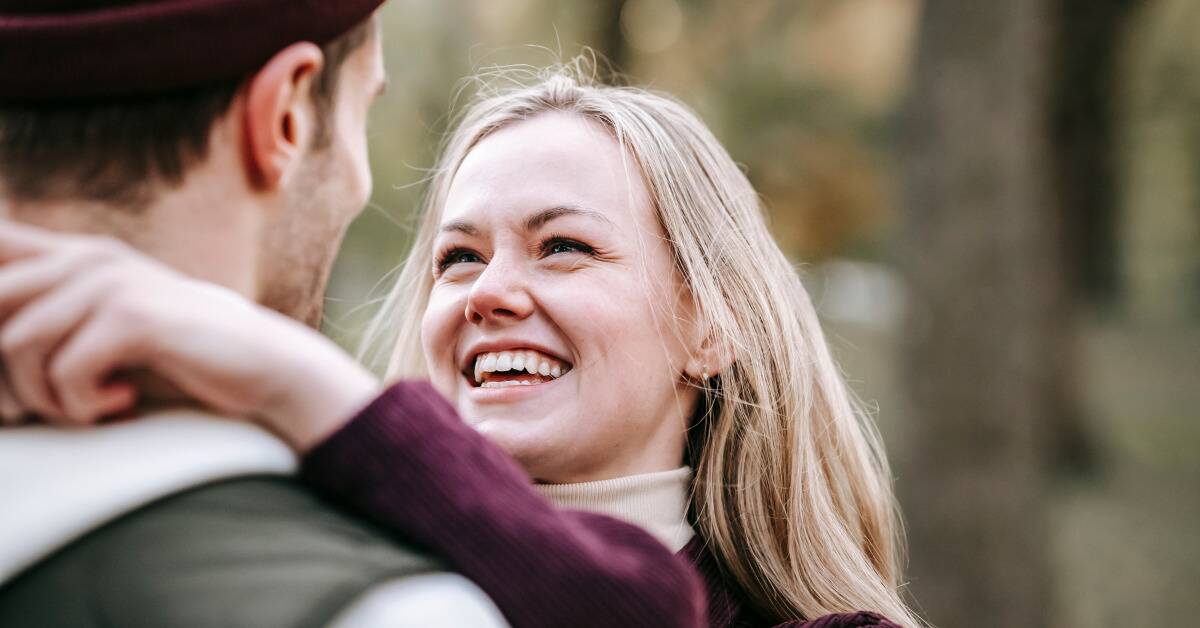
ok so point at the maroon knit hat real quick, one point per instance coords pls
(72, 50)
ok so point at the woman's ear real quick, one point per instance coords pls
(709, 357)
(280, 115)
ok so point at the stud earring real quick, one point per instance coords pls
(704, 373)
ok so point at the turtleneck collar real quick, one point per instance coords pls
(656, 502)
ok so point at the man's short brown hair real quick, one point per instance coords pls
(117, 152)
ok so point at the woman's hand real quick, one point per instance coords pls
(78, 314)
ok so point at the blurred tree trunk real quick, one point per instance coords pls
(1090, 35)
(982, 350)
(612, 40)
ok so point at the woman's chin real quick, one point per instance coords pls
(518, 438)
(516, 410)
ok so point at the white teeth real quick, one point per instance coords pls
(500, 384)
(527, 361)
(531, 362)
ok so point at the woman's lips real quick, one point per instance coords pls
(510, 388)
(502, 380)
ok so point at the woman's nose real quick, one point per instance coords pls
(499, 295)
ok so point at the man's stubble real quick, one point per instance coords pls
(301, 244)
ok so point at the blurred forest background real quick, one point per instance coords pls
(996, 206)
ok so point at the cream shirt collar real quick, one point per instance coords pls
(656, 502)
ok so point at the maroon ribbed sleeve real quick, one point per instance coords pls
(410, 464)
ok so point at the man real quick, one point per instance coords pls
(226, 139)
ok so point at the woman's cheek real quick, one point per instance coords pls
(437, 330)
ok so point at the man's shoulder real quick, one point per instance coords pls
(61, 484)
(246, 552)
(260, 517)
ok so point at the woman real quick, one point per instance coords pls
(595, 291)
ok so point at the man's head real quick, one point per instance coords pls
(247, 178)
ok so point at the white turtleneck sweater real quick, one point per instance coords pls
(656, 502)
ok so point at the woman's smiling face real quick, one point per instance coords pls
(550, 259)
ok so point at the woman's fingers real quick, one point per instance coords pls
(25, 280)
(40, 303)
(88, 405)
(79, 372)
(18, 241)
(28, 279)
(11, 412)
(33, 333)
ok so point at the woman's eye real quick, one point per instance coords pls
(458, 256)
(560, 245)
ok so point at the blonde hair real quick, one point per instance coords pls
(792, 489)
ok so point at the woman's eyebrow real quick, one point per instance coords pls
(461, 226)
(535, 221)
(539, 219)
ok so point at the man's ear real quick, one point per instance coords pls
(280, 117)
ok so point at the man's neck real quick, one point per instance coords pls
(197, 228)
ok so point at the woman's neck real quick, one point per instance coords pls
(656, 502)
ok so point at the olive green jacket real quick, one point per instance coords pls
(257, 552)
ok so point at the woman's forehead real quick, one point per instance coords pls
(551, 160)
